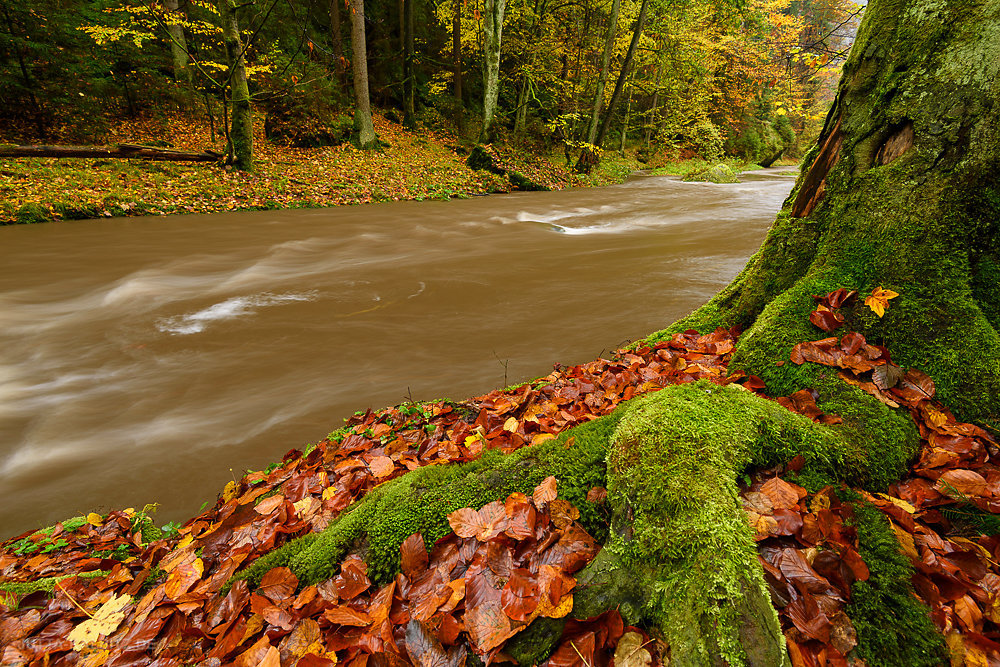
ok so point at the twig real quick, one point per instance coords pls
(580, 654)
(78, 606)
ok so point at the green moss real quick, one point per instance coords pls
(21, 589)
(893, 627)
(673, 466)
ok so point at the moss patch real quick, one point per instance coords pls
(894, 628)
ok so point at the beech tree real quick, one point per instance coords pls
(901, 192)
(241, 120)
(493, 12)
(363, 125)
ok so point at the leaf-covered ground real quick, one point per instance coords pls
(422, 164)
(115, 592)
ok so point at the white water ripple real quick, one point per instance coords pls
(238, 306)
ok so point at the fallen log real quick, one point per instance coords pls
(121, 151)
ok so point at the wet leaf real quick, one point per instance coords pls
(104, 622)
(414, 556)
(545, 492)
(425, 650)
(782, 494)
(519, 597)
(963, 482)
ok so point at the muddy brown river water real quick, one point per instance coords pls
(142, 360)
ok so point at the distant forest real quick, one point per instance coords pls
(745, 78)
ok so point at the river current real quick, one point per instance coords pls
(154, 359)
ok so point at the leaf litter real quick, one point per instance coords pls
(125, 601)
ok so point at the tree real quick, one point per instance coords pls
(902, 191)
(493, 11)
(609, 45)
(362, 111)
(241, 119)
(588, 157)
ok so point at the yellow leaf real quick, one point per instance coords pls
(630, 651)
(510, 425)
(879, 299)
(541, 437)
(104, 622)
(94, 519)
(229, 492)
(329, 492)
(898, 502)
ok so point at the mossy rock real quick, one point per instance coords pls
(522, 182)
(32, 213)
(720, 173)
(481, 160)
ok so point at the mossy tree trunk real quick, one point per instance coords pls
(493, 12)
(363, 126)
(241, 119)
(902, 191)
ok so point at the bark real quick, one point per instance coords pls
(121, 151)
(241, 120)
(493, 12)
(178, 44)
(363, 126)
(602, 80)
(902, 191)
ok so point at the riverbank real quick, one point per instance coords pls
(413, 165)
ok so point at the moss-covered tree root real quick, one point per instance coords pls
(680, 557)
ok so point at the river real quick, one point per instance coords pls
(154, 359)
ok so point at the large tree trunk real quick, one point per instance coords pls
(492, 31)
(902, 192)
(241, 120)
(363, 126)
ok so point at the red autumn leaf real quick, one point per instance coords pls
(519, 597)
(353, 578)
(484, 525)
(965, 482)
(838, 297)
(521, 516)
(597, 495)
(575, 651)
(797, 570)
(782, 494)
(485, 622)
(344, 615)
(545, 492)
(414, 556)
(381, 466)
(787, 522)
(278, 584)
(826, 319)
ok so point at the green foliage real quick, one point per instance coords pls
(894, 628)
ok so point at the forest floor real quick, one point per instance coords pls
(421, 164)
